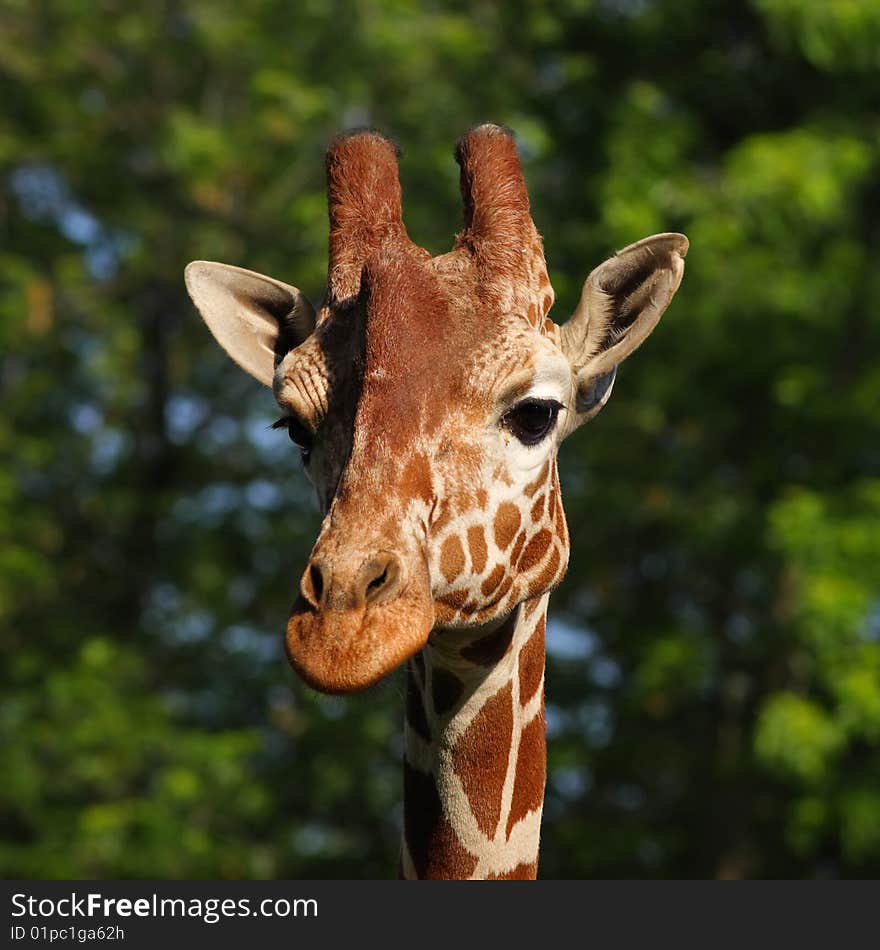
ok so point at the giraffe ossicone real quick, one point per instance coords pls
(428, 396)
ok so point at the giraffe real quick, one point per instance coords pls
(428, 397)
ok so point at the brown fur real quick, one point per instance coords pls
(506, 524)
(522, 872)
(451, 558)
(538, 483)
(537, 512)
(531, 663)
(432, 843)
(480, 759)
(497, 223)
(364, 201)
(488, 650)
(517, 547)
(531, 772)
(477, 547)
(493, 580)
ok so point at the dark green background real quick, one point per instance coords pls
(714, 668)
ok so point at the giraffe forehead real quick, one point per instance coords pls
(436, 347)
(428, 323)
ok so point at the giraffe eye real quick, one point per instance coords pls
(532, 419)
(298, 432)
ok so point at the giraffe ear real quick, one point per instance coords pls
(621, 303)
(254, 318)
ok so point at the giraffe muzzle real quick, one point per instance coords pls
(355, 621)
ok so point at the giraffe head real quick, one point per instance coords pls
(428, 397)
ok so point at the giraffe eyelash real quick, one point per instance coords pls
(298, 432)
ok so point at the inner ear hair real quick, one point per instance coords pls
(622, 301)
(255, 318)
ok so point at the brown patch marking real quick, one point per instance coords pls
(455, 599)
(522, 872)
(503, 589)
(561, 527)
(480, 759)
(488, 650)
(548, 577)
(537, 512)
(532, 487)
(531, 772)
(434, 848)
(416, 479)
(442, 520)
(452, 558)
(477, 546)
(506, 524)
(493, 580)
(531, 663)
(535, 550)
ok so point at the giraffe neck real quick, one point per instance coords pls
(475, 751)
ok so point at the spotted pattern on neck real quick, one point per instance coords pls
(475, 759)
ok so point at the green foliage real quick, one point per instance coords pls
(152, 798)
(839, 36)
(796, 738)
(714, 669)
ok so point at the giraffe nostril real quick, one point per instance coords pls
(377, 582)
(317, 579)
(381, 577)
(312, 585)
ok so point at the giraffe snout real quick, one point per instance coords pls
(328, 586)
(358, 617)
